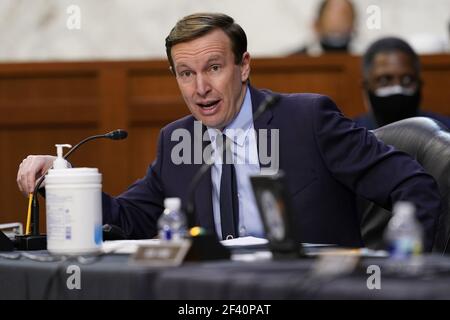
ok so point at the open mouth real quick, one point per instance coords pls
(208, 105)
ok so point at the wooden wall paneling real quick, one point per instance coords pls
(436, 77)
(113, 115)
(304, 74)
(143, 147)
(154, 96)
(38, 108)
(47, 98)
(154, 101)
(352, 89)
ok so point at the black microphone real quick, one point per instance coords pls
(118, 134)
(36, 241)
(270, 101)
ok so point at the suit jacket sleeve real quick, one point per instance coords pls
(137, 210)
(373, 170)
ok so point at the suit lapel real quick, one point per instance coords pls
(262, 124)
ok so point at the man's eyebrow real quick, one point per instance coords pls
(215, 58)
(181, 65)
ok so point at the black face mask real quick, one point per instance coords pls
(394, 107)
(335, 43)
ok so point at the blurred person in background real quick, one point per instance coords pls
(392, 84)
(333, 28)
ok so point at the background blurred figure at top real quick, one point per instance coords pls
(392, 84)
(333, 28)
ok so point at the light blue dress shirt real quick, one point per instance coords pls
(246, 162)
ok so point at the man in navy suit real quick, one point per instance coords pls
(326, 158)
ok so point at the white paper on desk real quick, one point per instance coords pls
(244, 241)
(130, 246)
(125, 246)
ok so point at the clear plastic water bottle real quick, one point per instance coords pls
(404, 234)
(172, 224)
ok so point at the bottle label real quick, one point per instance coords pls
(405, 248)
(166, 233)
(59, 217)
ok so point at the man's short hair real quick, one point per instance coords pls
(199, 24)
(388, 45)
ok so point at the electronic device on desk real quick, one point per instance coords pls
(276, 213)
(5, 243)
(200, 246)
(8, 232)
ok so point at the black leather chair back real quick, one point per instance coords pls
(428, 141)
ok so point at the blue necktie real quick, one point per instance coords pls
(229, 204)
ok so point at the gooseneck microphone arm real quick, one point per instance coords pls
(118, 134)
(71, 150)
(268, 103)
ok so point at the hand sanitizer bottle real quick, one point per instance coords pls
(60, 162)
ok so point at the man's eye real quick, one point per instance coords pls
(408, 81)
(215, 67)
(185, 74)
(384, 81)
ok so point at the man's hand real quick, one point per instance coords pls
(30, 169)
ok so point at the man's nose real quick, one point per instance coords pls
(396, 81)
(203, 85)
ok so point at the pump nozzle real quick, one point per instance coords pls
(60, 162)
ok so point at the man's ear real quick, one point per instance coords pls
(245, 67)
(172, 71)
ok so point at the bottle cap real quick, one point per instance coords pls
(172, 203)
(404, 208)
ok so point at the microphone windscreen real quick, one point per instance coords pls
(271, 100)
(266, 104)
(118, 134)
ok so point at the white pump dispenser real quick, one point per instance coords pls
(60, 162)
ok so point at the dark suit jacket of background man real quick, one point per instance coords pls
(326, 159)
(367, 120)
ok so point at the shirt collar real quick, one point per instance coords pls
(243, 121)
